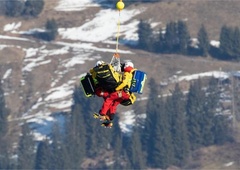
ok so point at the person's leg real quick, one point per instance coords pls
(113, 107)
(117, 101)
(108, 122)
(108, 103)
(111, 114)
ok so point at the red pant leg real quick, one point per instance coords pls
(113, 107)
(117, 101)
(108, 103)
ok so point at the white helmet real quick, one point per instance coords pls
(128, 64)
(98, 63)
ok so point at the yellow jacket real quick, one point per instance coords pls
(127, 80)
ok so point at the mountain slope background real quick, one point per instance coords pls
(39, 77)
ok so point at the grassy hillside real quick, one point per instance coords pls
(216, 157)
(213, 14)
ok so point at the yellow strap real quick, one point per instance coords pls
(118, 32)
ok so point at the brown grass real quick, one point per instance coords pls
(212, 13)
(224, 157)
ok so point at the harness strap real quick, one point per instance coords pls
(118, 32)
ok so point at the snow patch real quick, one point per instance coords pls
(215, 43)
(12, 26)
(7, 74)
(74, 5)
(98, 29)
(13, 38)
(228, 164)
(216, 74)
(127, 121)
(59, 92)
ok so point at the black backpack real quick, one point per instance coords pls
(107, 77)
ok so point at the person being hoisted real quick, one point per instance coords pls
(121, 94)
(106, 79)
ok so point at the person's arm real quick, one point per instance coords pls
(94, 75)
(91, 71)
(126, 78)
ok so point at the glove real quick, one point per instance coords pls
(104, 94)
(126, 89)
(99, 92)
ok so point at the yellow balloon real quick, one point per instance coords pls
(120, 5)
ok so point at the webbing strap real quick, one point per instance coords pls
(115, 62)
(118, 31)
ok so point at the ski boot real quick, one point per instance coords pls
(96, 115)
(107, 124)
(101, 117)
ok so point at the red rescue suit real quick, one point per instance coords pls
(112, 100)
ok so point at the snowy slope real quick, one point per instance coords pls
(58, 98)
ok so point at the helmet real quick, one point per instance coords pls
(128, 64)
(98, 63)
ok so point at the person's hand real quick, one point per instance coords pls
(126, 89)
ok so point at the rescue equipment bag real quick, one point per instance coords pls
(138, 81)
(87, 85)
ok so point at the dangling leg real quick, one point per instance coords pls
(112, 109)
(107, 105)
(108, 123)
